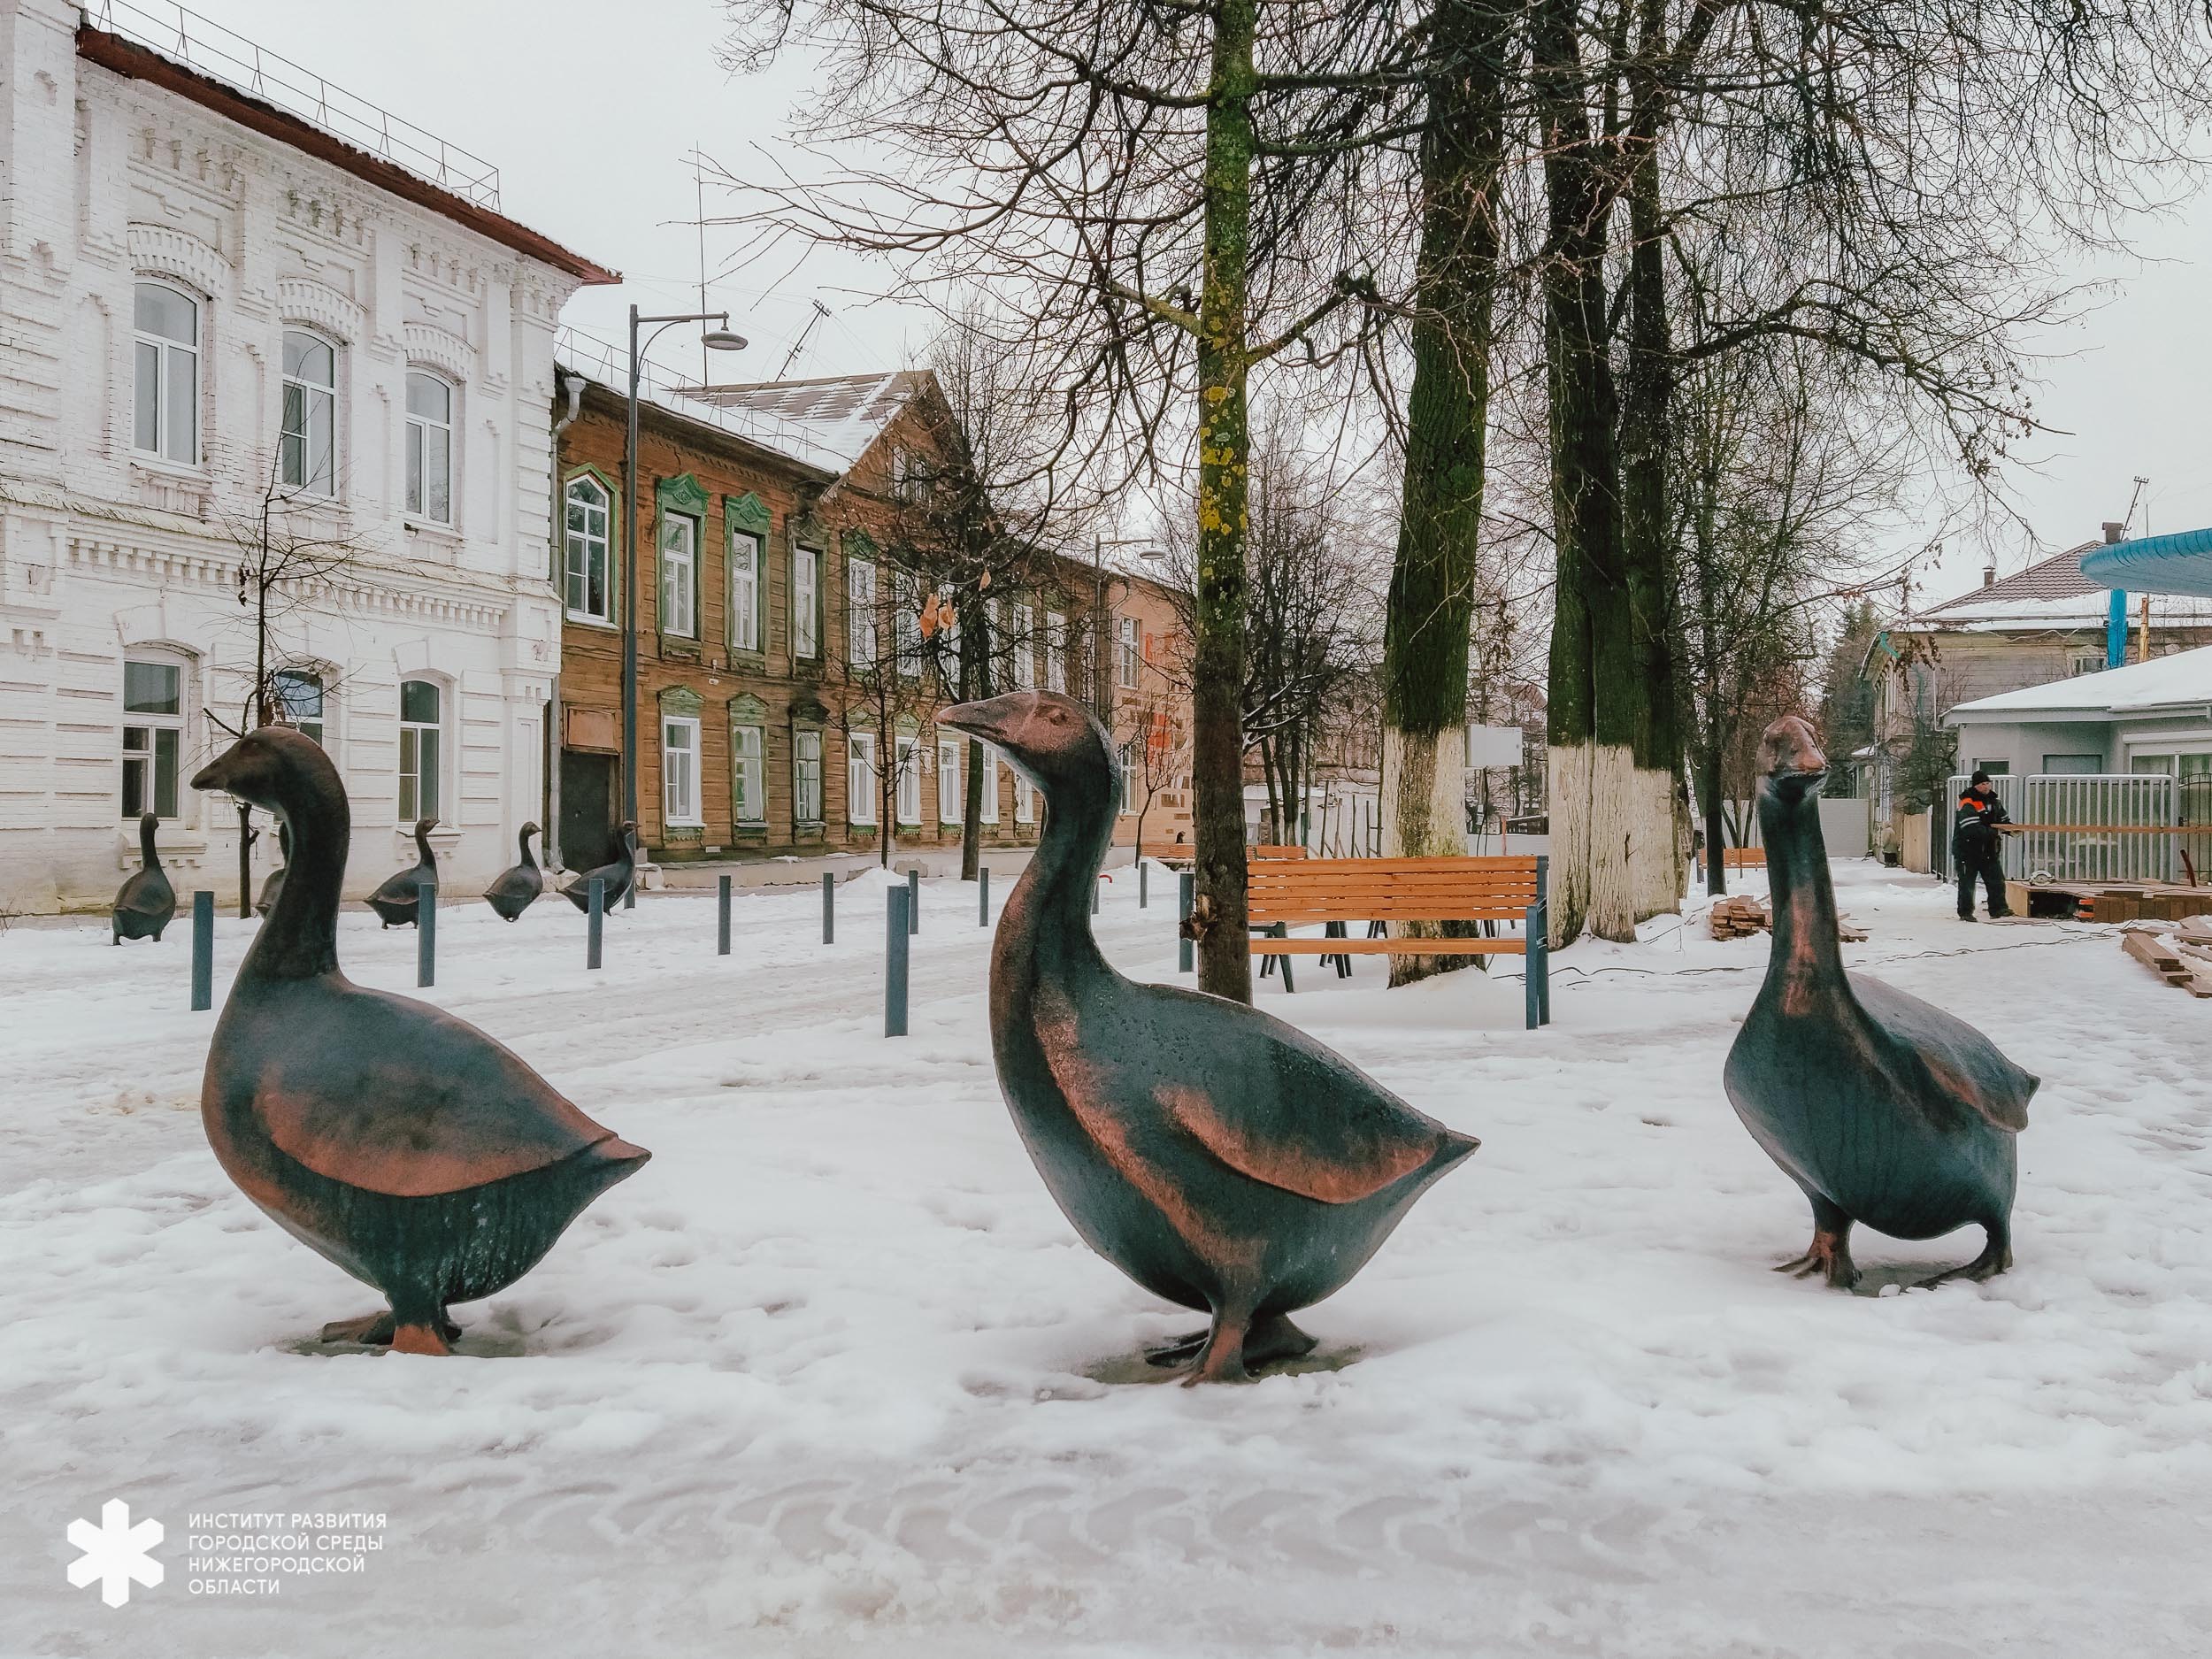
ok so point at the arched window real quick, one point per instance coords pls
(307, 443)
(299, 698)
(586, 519)
(165, 357)
(421, 746)
(429, 450)
(155, 694)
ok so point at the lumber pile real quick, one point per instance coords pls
(2184, 960)
(1741, 918)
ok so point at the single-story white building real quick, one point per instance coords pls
(2149, 718)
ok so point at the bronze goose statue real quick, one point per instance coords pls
(1224, 1160)
(517, 889)
(395, 902)
(145, 901)
(400, 1142)
(617, 875)
(1882, 1107)
(274, 885)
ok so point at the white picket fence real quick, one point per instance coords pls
(2100, 804)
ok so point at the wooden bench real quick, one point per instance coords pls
(1743, 858)
(1274, 849)
(1283, 894)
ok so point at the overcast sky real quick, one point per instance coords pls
(591, 109)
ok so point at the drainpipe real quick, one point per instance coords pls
(550, 834)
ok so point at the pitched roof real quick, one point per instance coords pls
(2182, 678)
(844, 414)
(2052, 593)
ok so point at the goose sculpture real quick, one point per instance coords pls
(274, 883)
(145, 901)
(401, 1143)
(395, 902)
(1884, 1108)
(517, 889)
(616, 874)
(1222, 1159)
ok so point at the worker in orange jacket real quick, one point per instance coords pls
(1974, 845)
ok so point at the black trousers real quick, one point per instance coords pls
(1984, 861)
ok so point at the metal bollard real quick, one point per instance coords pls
(426, 931)
(595, 918)
(913, 901)
(1144, 883)
(722, 918)
(1187, 885)
(983, 896)
(894, 966)
(829, 908)
(203, 951)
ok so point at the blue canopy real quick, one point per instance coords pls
(2176, 563)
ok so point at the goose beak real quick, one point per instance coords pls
(216, 774)
(989, 719)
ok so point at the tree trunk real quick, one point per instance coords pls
(1658, 828)
(1224, 955)
(1432, 599)
(975, 683)
(245, 861)
(1594, 694)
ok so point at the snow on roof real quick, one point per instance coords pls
(579, 355)
(2050, 594)
(2178, 681)
(844, 414)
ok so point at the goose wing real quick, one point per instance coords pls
(146, 894)
(1960, 1067)
(1256, 1094)
(396, 1097)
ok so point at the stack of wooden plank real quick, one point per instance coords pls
(2109, 901)
(2185, 964)
(1739, 919)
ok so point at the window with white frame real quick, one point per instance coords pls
(949, 803)
(299, 699)
(679, 575)
(679, 769)
(2086, 662)
(1024, 676)
(907, 626)
(429, 448)
(908, 753)
(989, 813)
(860, 777)
(153, 735)
(806, 602)
(1125, 767)
(744, 591)
(860, 612)
(165, 358)
(806, 777)
(586, 524)
(1056, 652)
(748, 775)
(1130, 652)
(421, 743)
(1025, 799)
(307, 441)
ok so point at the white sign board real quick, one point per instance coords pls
(1493, 746)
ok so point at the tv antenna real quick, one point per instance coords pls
(792, 356)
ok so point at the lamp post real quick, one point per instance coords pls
(714, 340)
(1101, 681)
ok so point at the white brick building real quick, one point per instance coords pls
(204, 299)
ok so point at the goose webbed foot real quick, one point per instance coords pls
(1996, 1257)
(1271, 1338)
(1830, 1254)
(383, 1329)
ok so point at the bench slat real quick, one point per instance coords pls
(1507, 947)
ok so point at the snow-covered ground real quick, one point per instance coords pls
(832, 1375)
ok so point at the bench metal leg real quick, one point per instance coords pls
(1335, 930)
(1281, 930)
(1536, 982)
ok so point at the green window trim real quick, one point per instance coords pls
(681, 701)
(617, 546)
(682, 497)
(746, 515)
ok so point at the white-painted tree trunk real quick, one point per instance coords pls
(1423, 816)
(1595, 792)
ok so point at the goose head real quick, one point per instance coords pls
(1790, 758)
(272, 767)
(1047, 736)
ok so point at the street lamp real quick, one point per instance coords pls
(714, 340)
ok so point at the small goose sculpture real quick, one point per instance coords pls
(399, 1142)
(395, 902)
(1883, 1108)
(617, 875)
(145, 901)
(1222, 1159)
(517, 889)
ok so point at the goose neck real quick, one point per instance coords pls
(299, 941)
(1047, 917)
(1807, 954)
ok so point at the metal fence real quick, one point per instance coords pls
(2099, 811)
